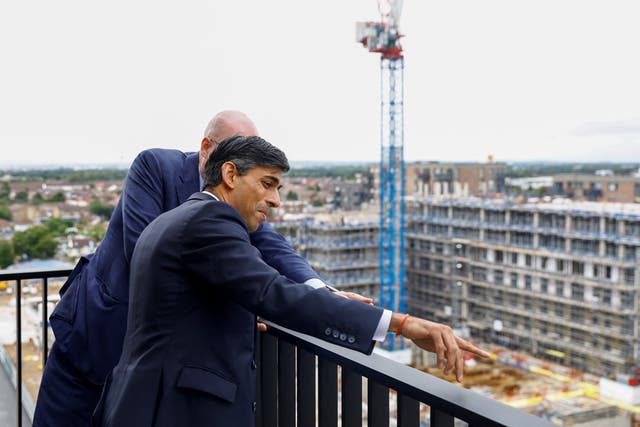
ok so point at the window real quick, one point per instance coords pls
(611, 250)
(514, 280)
(559, 288)
(626, 299)
(577, 268)
(499, 257)
(544, 285)
(559, 312)
(577, 291)
(629, 276)
(527, 282)
(559, 265)
(498, 277)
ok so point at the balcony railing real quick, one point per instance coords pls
(304, 381)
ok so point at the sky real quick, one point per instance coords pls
(86, 82)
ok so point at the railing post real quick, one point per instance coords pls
(306, 388)
(286, 385)
(328, 393)
(351, 399)
(408, 411)
(19, 350)
(45, 321)
(269, 381)
(378, 404)
(441, 419)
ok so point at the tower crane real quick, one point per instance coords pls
(383, 37)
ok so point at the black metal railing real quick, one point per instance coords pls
(20, 276)
(290, 363)
(304, 381)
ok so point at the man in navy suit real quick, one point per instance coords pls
(197, 285)
(89, 322)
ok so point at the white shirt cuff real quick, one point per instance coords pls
(315, 283)
(383, 326)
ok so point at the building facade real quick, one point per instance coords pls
(344, 255)
(557, 281)
(606, 188)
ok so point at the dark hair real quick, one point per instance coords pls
(246, 152)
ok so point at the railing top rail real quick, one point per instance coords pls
(33, 273)
(452, 399)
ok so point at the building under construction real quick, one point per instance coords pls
(555, 280)
(343, 251)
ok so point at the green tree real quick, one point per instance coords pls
(5, 212)
(22, 196)
(4, 191)
(292, 195)
(6, 253)
(37, 199)
(58, 197)
(97, 231)
(35, 242)
(57, 226)
(103, 211)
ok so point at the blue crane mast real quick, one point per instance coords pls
(384, 38)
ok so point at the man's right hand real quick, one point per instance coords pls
(439, 339)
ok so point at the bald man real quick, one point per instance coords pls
(90, 320)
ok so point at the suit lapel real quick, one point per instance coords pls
(189, 179)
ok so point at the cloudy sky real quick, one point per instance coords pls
(90, 82)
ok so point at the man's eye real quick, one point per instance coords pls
(267, 184)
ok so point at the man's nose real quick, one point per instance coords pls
(274, 199)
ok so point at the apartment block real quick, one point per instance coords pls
(455, 179)
(344, 255)
(607, 188)
(559, 281)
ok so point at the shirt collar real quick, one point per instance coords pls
(211, 194)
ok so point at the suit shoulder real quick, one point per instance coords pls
(215, 211)
(162, 154)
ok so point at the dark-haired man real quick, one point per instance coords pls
(89, 321)
(197, 285)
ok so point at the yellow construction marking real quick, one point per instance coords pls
(548, 373)
(555, 353)
(610, 401)
(523, 403)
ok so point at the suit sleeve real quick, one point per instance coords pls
(279, 254)
(142, 198)
(220, 239)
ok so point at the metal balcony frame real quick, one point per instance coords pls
(288, 392)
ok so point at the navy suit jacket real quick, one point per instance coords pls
(197, 285)
(89, 321)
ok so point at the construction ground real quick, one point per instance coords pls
(559, 394)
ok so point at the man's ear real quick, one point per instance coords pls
(229, 174)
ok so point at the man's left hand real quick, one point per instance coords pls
(354, 296)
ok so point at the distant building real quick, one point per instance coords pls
(342, 248)
(350, 195)
(559, 281)
(598, 187)
(455, 179)
(530, 183)
(6, 229)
